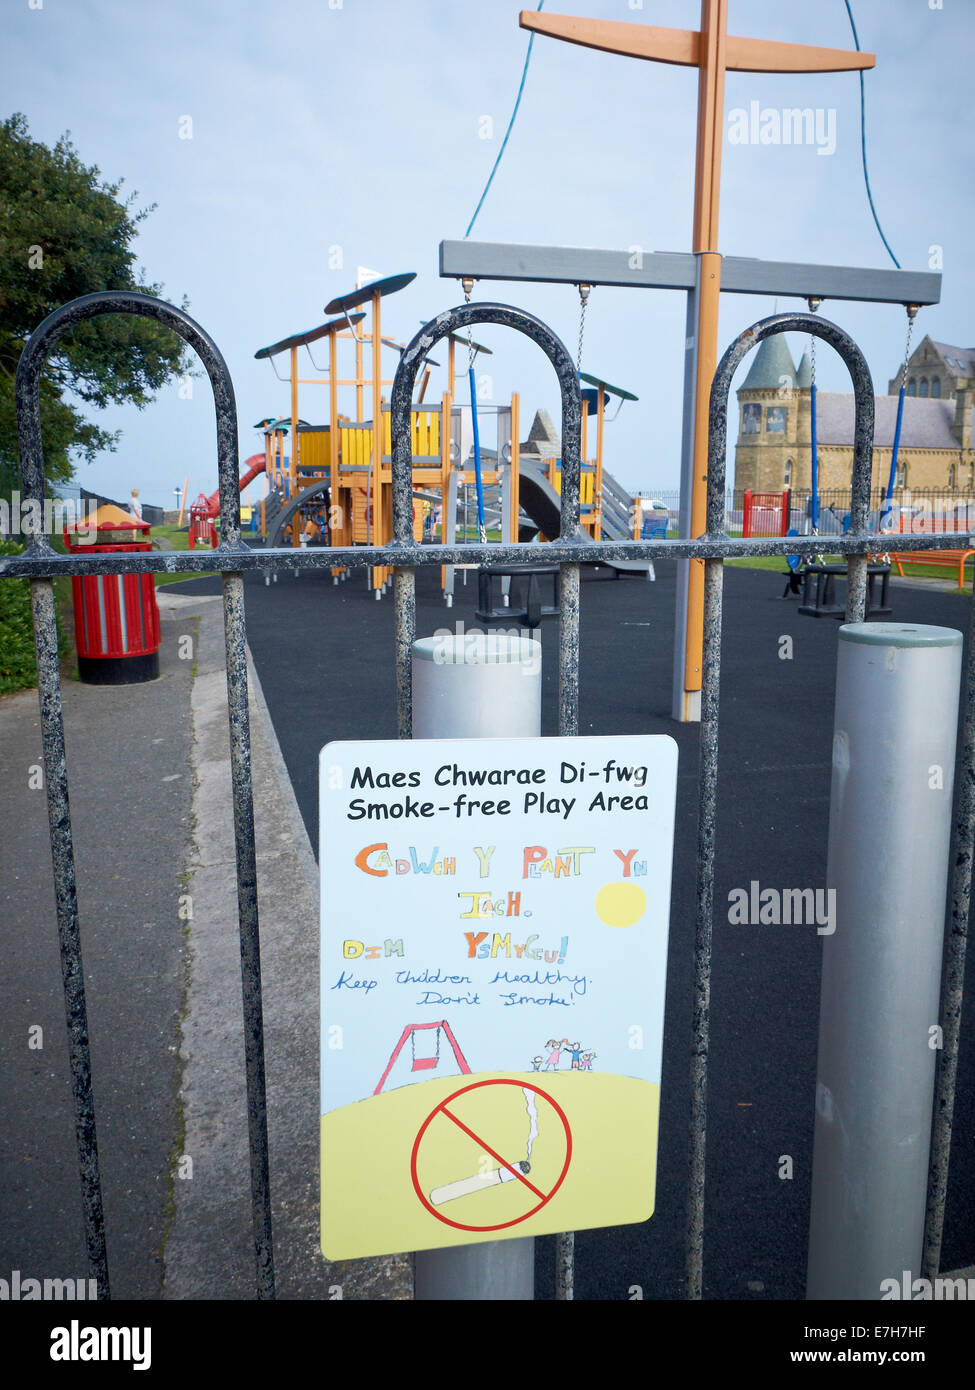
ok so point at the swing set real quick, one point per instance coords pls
(424, 1062)
(818, 576)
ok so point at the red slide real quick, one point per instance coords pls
(256, 464)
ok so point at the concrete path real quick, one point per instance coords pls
(209, 1252)
(130, 776)
(149, 782)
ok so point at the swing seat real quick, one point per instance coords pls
(819, 600)
(424, 1063)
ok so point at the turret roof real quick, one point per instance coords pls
(773, 362)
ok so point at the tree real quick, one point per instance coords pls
(65, 233)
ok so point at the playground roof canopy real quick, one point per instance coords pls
(390, 285)
(283, 424)
(391, 342)
(300, 339)
(610, 390)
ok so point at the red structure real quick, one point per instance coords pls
(765, 513)
(255, 464)
(205, 510)
(116, 619)
(424, 1063)
(202, 528)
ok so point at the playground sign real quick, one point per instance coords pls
(493, 961)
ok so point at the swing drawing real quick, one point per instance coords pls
(424, 1061)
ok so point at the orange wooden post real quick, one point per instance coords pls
(586, 520)
(293, 469)
(446, 403)
(338, 535)
(375, 494)
(515, 464)
(713, 52)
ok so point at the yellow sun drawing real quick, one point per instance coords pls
(620, 904)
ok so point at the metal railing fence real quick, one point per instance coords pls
(232, 558)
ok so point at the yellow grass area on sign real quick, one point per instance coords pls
(431, 1164)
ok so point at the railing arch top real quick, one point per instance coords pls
(454, 321)
(863, 402)
(46, 336)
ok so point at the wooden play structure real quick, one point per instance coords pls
(331, 484)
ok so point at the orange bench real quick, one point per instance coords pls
(934, 557)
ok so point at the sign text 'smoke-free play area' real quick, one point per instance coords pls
(494, 951)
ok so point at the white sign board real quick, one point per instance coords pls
(494, 950)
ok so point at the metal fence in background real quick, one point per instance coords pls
(940, 508)
(40, 563)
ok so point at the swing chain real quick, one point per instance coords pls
(583, 302)
(468, 284)
(814, 304)
(911, 315)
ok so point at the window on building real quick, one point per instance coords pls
(912, 387)
(787, 475)
(900, 479)
(751, 418)
(936, 386)
(951, 475)
(924, 386)
(775, 419)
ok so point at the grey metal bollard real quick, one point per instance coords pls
(897, 692)
(477, 685)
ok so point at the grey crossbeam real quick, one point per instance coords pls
(676, 270)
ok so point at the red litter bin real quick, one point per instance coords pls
(116, 619)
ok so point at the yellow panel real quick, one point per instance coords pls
(425, 437)
(314, 450)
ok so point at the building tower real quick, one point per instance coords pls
(769, 420)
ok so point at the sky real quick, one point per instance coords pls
(331, 134)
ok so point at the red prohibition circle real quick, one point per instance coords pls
(441, 1109)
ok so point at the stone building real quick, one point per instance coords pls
(774, 449)
(936, 370)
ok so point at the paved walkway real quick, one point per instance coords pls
(150, 796)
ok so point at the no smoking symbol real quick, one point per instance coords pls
(512, 1168)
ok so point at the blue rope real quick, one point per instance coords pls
(863, 143)
(504, 142)
(895, 451)
(815, 458)
(481, 524)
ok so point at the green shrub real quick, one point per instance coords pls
(17, 668)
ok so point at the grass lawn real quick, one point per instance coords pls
(777, 562)
(17, 667)
(180, 538)
(770, 562)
